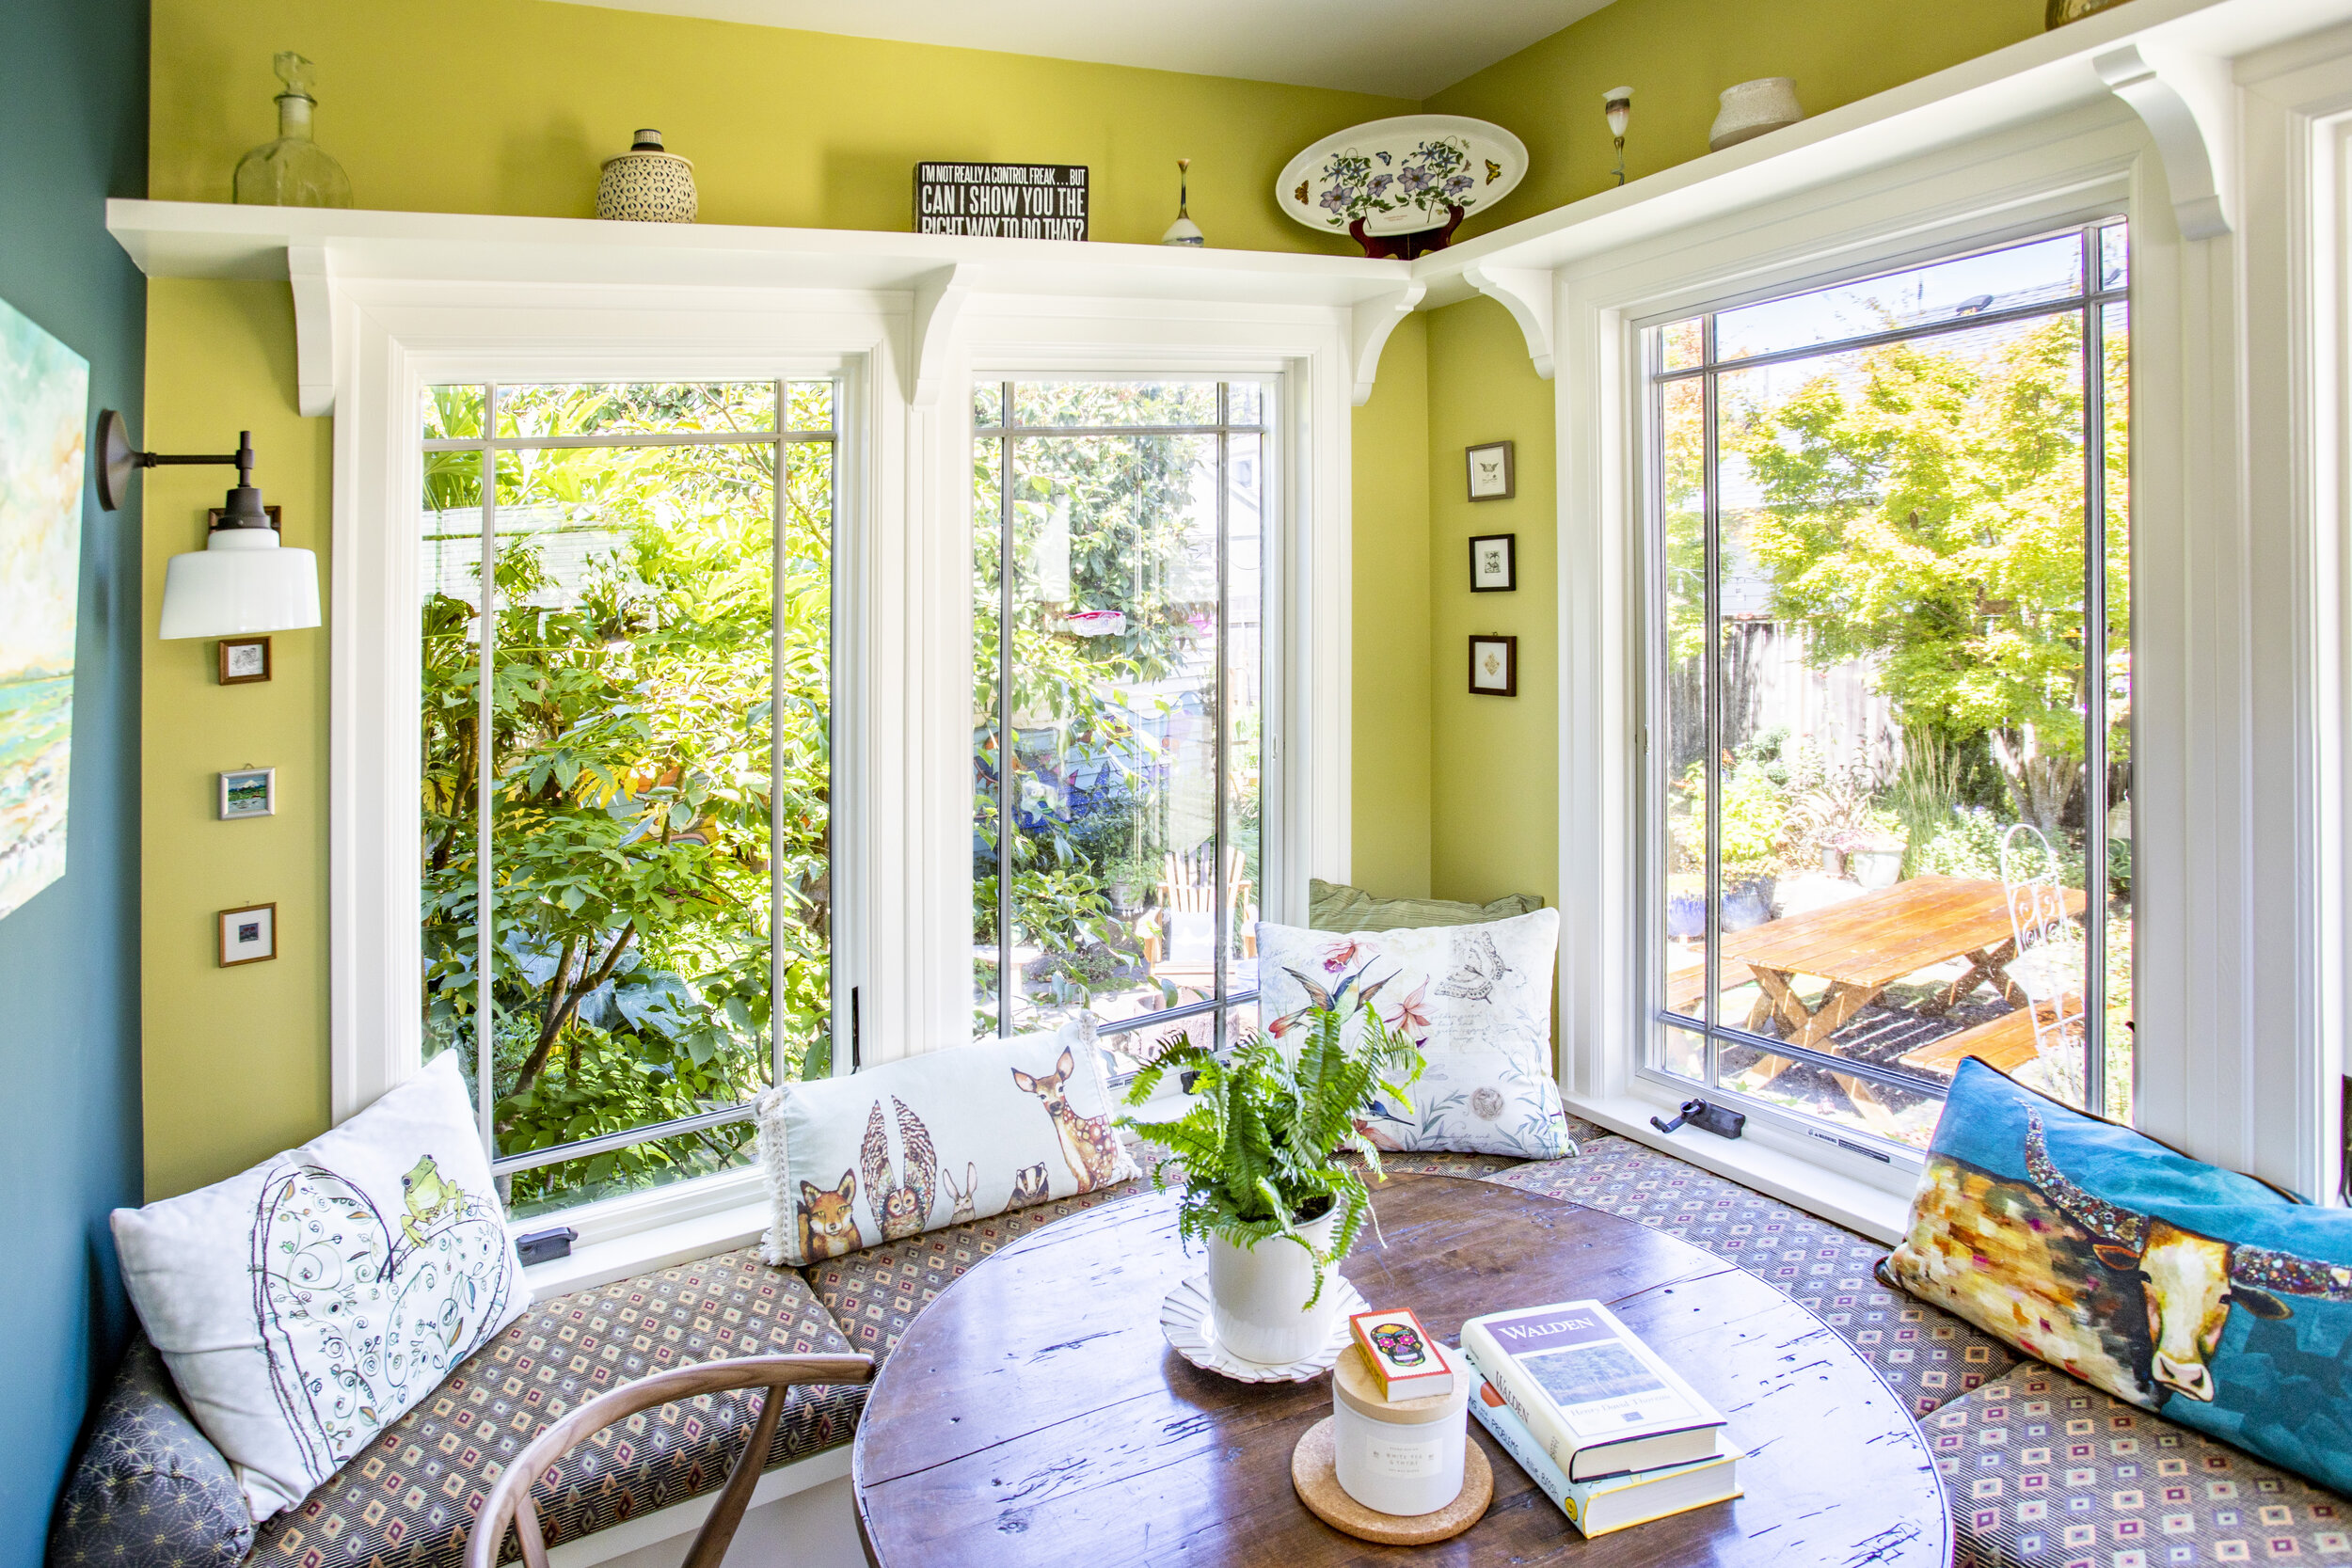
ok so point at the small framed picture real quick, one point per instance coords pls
(248, 936)
(243, 660)
(248, 792)
(1494, 666)
(1491, 475)
(1495, 563)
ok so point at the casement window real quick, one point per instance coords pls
(626, 714)
(1888, 727)
(1120, 531)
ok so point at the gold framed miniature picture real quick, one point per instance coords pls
(243, 660)
(248, 936)
(1492, 475)
(1494, 666)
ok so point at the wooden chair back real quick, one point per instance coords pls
(509, 1501)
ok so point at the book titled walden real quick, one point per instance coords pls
(1599, 1400)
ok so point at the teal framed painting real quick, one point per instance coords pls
(44, 399)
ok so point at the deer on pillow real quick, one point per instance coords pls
(1088, 1144)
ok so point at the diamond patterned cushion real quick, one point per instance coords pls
(406, 1500)
(876, 1293)
(149, 1491)
(1925, 1355)
(2041, 1469)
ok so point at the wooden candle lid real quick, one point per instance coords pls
(1353, 1386)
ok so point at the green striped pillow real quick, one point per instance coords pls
(1335, 907)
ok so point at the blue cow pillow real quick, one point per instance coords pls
(2174, 1285)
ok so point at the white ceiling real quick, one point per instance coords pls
(1400, 48)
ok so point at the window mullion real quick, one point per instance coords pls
(2094, 692)
(1221, 922)
(1005, 822)
(1711, 707)
(485, 1012)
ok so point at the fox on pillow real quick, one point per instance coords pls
(828, 1226)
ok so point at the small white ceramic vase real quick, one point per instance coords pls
(1753, 108)
(646, 185)
(1258, 1296)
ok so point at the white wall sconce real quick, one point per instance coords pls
(243, 580)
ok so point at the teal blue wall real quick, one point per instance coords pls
(74, 83)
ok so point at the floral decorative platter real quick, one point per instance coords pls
(1189, 1325)
(1403, 176)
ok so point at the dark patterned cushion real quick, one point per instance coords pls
(874, 1294)
(406, 1500)
(2041, 1469)
(1925, 1355)
(147, 1491)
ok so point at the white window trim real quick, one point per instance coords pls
(2239, 641)
(902, 627)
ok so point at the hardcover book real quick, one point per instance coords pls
(1599, 1400)
(1405, 1362)
(1612, 1502)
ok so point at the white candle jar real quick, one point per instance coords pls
(1400, 1459)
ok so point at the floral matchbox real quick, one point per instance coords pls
(1405, 1362)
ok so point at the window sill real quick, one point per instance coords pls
(1767, 1161)
(639, 1232)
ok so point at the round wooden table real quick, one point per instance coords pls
(1034, 1415)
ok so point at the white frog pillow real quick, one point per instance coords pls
(307, 1303)
(1475, 999)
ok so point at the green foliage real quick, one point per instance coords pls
(1256, 1144)
(1923, 509)
(1098, 522)
(635, 828)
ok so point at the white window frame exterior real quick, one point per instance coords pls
(2238, 642)
(902, 624)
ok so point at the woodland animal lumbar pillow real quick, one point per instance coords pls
(896, 1151)
(1476, 1000)
(307, 1304)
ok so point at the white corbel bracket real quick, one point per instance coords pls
(308, 274)
(2187, 103)
(1526, 292)
(939, 299)
(1370, 322)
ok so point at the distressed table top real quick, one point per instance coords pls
(1033, 1414)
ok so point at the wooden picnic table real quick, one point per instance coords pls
(1861, 946)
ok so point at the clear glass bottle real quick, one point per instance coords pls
(291, 171)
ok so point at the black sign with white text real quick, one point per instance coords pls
(1013, 201)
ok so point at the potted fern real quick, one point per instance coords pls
(1256, 1148)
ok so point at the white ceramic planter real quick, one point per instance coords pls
(1258, 1295)
(1875, 869)
(1753, 108)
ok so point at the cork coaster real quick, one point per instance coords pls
(1319, 1488)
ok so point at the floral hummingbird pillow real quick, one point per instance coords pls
(893, 1151)
(1475, 999)
(306, 1305)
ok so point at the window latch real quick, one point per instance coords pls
(1706, 1118)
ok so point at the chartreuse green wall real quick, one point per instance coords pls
(1494, 770)
(1388, 745)
(1494, 767)
(508, 106)
(1678, 55)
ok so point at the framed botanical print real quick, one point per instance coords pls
(1491, 475)
(243, 660)
(1494, 666)
(1495, 563)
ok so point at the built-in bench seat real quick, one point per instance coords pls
(406, 1502)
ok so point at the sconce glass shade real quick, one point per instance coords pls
(242, 581)
(1618, 103)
